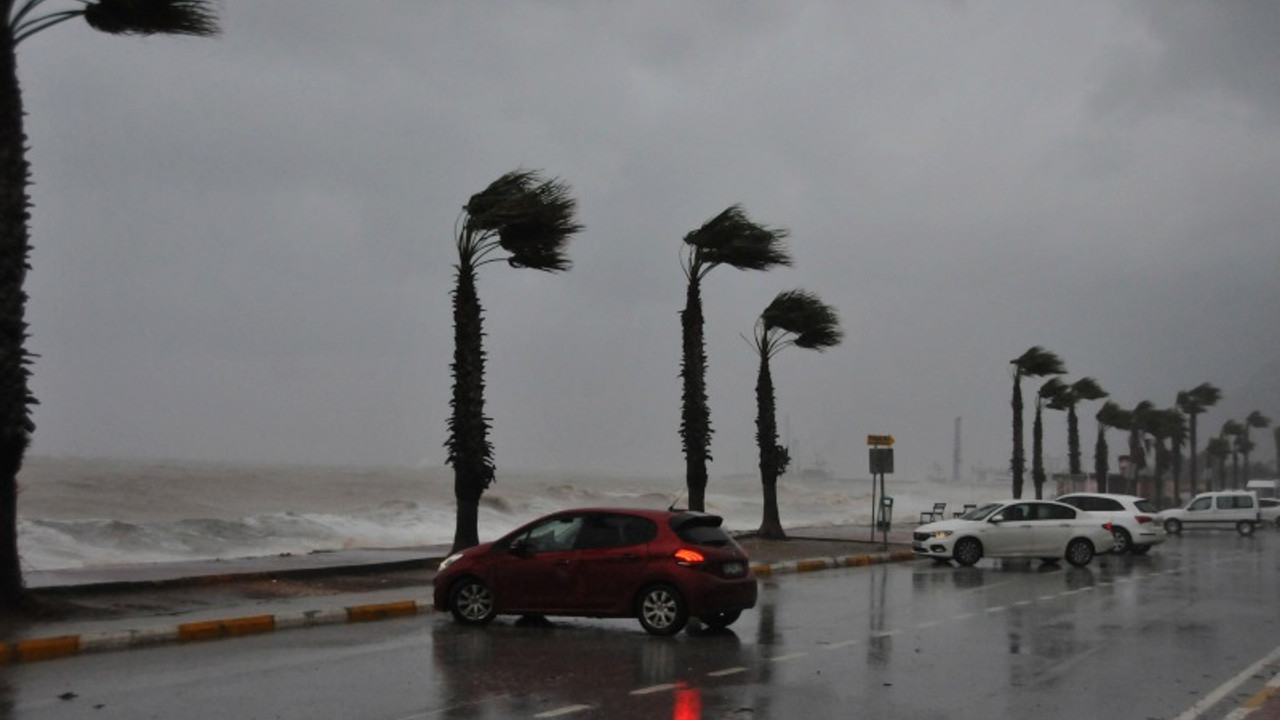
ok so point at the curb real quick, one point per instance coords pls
(51, 648)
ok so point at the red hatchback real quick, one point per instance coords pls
(659, 566)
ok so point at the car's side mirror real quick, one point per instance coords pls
(998, 519)
(519, 546)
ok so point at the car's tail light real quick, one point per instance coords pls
(1144, 519)
(1107, 526)
(685, 556)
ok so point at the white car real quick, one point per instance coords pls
(1270, 511)
(1228, 508)
(1041, 529)
(1134, 521)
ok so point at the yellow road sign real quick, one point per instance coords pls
(880, 440)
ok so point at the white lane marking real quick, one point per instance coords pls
(785, 658)
(928, 624)
(1023, 602)
(655, 688)
(566, 710)
(996, 609)
(1048, 597)
(1227, 687)
(727, 671)
(885, 634)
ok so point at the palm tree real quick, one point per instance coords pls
(729, 238)
(1139, 417)
(1035, 362)
(1193, 402)
(530, 220)
(1255, 419)
(799, 318)
(1219, 448)
(1071, 395)
(1046, 395)
(1233, 432)
(1167, 424)
(21, 20)
(1110, 415)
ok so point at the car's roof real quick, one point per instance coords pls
(1117, 496)
(652, 513)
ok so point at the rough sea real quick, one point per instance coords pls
(77, 513)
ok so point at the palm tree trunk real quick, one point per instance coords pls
(470, 452)
(15, 397)
(1194, 480)
(1018, 462)
(767, 440)
(1037, 453)
(695, 425)
(1101, 466)
(1073, 441)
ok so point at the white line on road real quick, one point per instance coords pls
(654, 689)
(1228, 687)
(784, 658)
(727, 671)
(837, 646)
(566, 710)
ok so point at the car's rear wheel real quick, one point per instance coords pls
(968, 551)
(1124, 543)
(472, 602)
(661, 610)
(1173, 526)
(1079, 552)
(1244, 527)
(721, 620)
(1140, 549)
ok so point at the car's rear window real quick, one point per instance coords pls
(1145, 506)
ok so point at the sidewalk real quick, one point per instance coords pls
(120, 607)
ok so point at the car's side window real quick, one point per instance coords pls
(1016, 513)
(1200, 504)
(1109, 505)
(1047, 511)
(610, 531)
(555, 535)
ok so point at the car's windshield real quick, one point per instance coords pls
(981, 512)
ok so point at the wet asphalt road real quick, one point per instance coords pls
(1127, 637)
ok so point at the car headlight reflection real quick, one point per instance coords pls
(939, 534)
(448, 561)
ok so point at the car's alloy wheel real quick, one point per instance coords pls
(721, 620)
(967, 551)
(1173, 526)
(1123, 542)
(1079, 552)
(661, 610)
(472, 603)
(1244, 527)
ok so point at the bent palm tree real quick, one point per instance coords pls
(531, 220)
(1195, 402)
(799, 318)
(1162, 425)
(1255, 419)
(21, 21)
(1081, 390)
(729, 238)
(1218, 448)
(1047, 395)
(1139, 417)
(1110, 415)
(1035, 362)
(1233, 433)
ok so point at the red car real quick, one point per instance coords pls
(661, 567)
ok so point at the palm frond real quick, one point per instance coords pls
(532, 219)
(814, 324)
(1088, 388)
(152, 17)
(731, 238)
(1112, 415)
(1038, 362)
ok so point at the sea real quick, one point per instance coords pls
(93, 513)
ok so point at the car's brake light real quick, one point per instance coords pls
(685, 556)
(1107, 526)
(1143, 519)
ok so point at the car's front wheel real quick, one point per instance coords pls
(1173, 526)
(472, 602)
(1124, 543)
(968, 551)
(1079, 552)
(661, 610)
(721, 620)
(1244, 527)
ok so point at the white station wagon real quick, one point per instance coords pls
(1229, 508)
(1041, 529)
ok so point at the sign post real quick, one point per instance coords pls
(881, 456)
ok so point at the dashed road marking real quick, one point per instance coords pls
(655, 688)
(727, 671)
(837, 646)
(785, 658)
(566, 710)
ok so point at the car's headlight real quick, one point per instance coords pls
(939, 534)
(448, 561)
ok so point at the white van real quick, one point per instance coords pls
(1264, 488)
(1216, 509)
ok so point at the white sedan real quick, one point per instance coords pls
(1041, 529)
